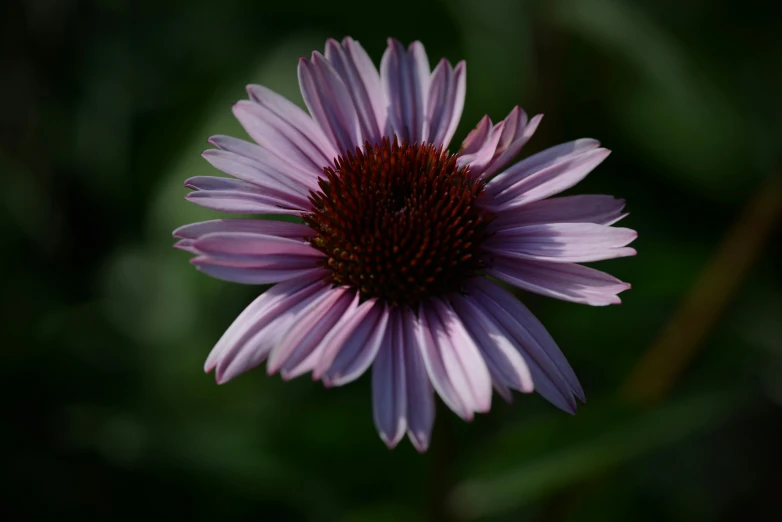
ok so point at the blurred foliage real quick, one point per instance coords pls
(108, 104)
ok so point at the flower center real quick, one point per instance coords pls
(399, 222)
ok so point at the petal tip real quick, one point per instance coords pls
(183, 244)
(390, 442)
(419, 441)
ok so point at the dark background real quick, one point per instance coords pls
(106, 106)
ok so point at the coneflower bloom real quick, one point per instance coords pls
(400, 243)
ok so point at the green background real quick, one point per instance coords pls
(106, 108)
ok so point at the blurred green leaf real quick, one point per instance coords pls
(497, 36)
(277, 71)
(671, 110)
(533, 459)
(383, 513)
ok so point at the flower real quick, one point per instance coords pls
(395, 261)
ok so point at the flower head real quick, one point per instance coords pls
(388, 267)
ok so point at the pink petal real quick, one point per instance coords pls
(541, 160)
(517, 132)
(359, 352)
(503, 359)
(329, 102)
(479, 160)
(236, 202)
(432, 355)
(258, 226)
(357, 71)
(281, 138)
(299, 344)
(253, 258)
(540, 346)
(475, 139)
(465, 366)
(445, 102)
(186, 245)
(487, 151)
(562, 242)
(294, 116)
(256, 348)
(235, 196)
(566, 281)
(541, 182)
(353, 344)
(253, 172)
(310, 351)
(405, 78)
(419, 392)
(252, 244)
(603, 210)
(536, 348)
(260, 313)
(271, 262)
(389, 391)
(281, 170)
(255, 276)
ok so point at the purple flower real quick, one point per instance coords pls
(388, 266)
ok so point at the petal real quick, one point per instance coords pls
(557, 156)
(253, 172)
(475, 139)
(503, 359)
(562, 242)
(554, 179)
(549, 180)
(283, 171)
(253, 258)
(272, 262)
(541, 345)
(357, 71)
(454, 363)
(290, 113)
(281, 137)
(603, 210)
(566, 281)
(432, 357)
(516, 133)
(186, 245)
(235, 202)
(487, 151)
(235, 196)
(224, 184)
(255, 276)
(466, 368)
(445, 102)
(299, 344)
(389, 391)
(329, 102)
(258, 226)
(479, 160)
(539, 351)
(352, 346)
(251, 244)
(405, 76)
(257, 347)
(258, 315)
(419, 391)
(310, 352)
